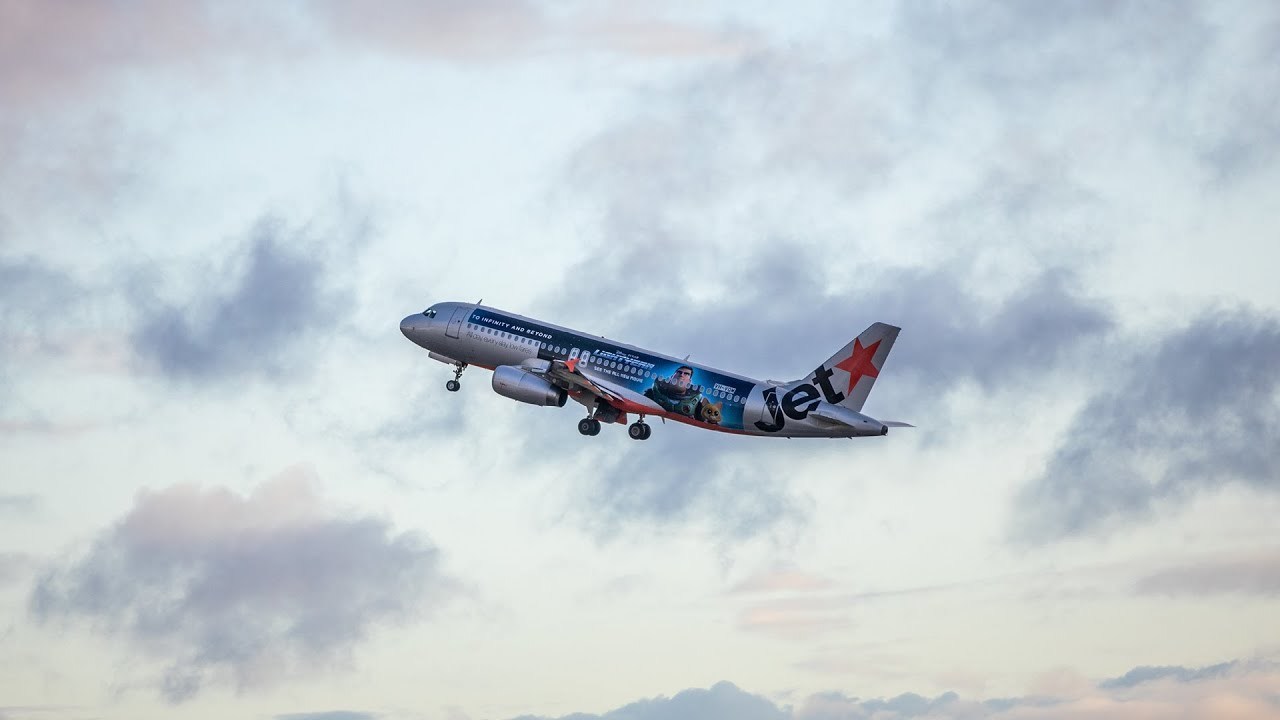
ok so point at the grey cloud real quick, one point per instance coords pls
(12, 567)
(29, 287)
(28, 712)
(18, 504)
(725, 701)
(249, 320)
(691, 479)
(56, 48)
(1245, 686)
(1035, 49)
(243, 590)
(722, 700)
(30, 293)
(50, 51)
(330, 715)
(1196, 410)
(425, 415)
(482, 30)
(907, 705)
(1200, 82)
(758, 149)
(734, 145)
(1256, 573)
(1146, 674)
(781, 327)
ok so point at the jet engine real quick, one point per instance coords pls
(510, 381)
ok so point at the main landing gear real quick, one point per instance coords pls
(590, 425)
(453, 385)
(639, 430)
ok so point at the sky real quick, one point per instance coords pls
(229, 487)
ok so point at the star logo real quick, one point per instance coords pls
(858, 364)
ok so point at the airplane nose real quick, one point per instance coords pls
(408, 325)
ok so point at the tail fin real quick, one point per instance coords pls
(846, 378)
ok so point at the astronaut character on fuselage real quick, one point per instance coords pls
(677, 393)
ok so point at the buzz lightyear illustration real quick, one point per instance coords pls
(677, 393)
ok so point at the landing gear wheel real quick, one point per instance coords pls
(453, 385)
(647, 432)
(638, 431)
(589, 426)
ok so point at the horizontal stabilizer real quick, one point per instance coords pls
(855, 422)
(896, 423)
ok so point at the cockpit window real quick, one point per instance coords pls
(429, 312)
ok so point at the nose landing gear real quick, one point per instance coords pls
(453, 385)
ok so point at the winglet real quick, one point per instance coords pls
(572, 364)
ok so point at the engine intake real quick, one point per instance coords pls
(526, 387)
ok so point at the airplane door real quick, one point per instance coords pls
(460, 314)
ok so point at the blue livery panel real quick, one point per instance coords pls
(687, 389)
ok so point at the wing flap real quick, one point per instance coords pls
(567, 372)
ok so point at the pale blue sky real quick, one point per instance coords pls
(230, 488)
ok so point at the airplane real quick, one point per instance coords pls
(543, 364)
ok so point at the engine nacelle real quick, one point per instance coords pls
(512, 382)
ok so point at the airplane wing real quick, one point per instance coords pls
(567, 373)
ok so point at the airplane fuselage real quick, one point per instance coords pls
(618, 379)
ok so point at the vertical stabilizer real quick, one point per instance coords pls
(846, 378)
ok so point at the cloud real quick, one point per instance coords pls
(485, 29)
(19, 504)
(50, 51)
(782, 579)
(13, 566)
(1237, 690)
(1146, 674)
(1196, 410)
(30, 293)
(330, 715)
(730, 194)
(800, 608)
(252, 318)
(243, 590)
(696, 479)
(1254, 573)
(733, 199)
(27, 712)
(722, 700)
